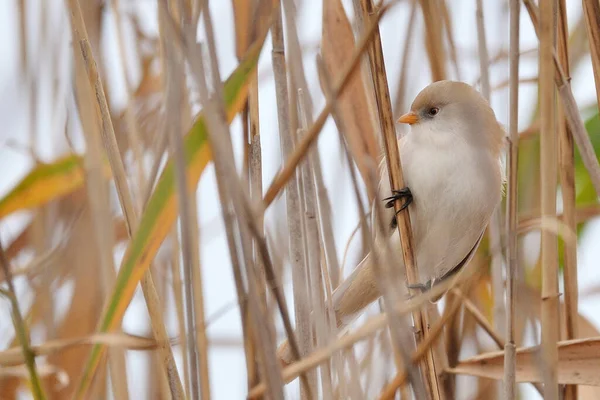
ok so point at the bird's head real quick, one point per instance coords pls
(446, 112)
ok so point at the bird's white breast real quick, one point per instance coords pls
(455, 192)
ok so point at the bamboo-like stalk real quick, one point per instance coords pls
(110, 144)
(591, 12)
(327, 91)
(312, 133)
(173, 72)
(229, 187)
(132, 130)
(293, 205)
(494, 228)
(179, 309)
(97, 194)
(410, 29)
(433, 39)
(572, 115)
(21, 329)
(428, 368)
(323, 203)
(313, 252)
(256, 187)
(451, 43)
(510, 348)
(549, 172)
(483, 51)
(567, 184)
(197, 343)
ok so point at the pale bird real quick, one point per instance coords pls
(453, 174)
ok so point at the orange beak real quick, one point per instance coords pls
(409, 118)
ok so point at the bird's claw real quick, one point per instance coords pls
(403, 193)
(423, 287)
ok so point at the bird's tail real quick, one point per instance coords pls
(349, 299)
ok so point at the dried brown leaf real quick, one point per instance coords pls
(337, 49)
(578, 363)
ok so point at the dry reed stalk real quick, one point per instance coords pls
(483, 51)
(321, 326)
(428, 368)
(480, 318)
(97, 192)
(229, 187)
(495, 236)
(426, 345)
(110, 144)
(548, 169)
(314, 176)
(255, 183)
(132, 129)
(333, 14)
(591, 12)
(324, 327)
(21, 330)
(325, 81)
(451, 43)
(179, 309)
(371, 326)
(311, 135)
(572, 115)
(173, 67)
(337, 44)
(510, 388)
(399, 105)
(433, 39)
(293, 204)
(567, 184)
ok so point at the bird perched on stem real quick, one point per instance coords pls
(454, 177)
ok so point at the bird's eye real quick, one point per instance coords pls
(433, 111)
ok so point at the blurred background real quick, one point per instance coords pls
(55, 255)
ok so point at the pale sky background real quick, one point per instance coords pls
(227, 364)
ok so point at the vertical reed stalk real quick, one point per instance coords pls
(433, 39)
(510, 386)
(549, 172)
(591, 12)
(255, 182)
(116, 164)
(567, 184)
(297, 252)
(378, 71)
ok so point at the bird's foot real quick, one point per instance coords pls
(422, 287)
(402, 194)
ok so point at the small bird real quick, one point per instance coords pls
(454, 177)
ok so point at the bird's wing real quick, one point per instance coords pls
(456, 268)
(452, 271)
